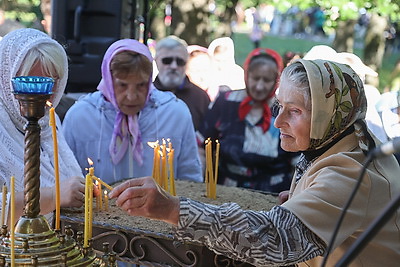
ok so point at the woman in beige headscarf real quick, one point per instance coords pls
(322, 108)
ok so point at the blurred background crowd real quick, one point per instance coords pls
(218, 36)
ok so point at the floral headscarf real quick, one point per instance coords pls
(126, 127)
(246, 104)
(337, 93)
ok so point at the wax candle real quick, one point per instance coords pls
(86, 225)
(172, 188)
(105, 200)
(164, 171)
(156, 167)
(52, 123)
(100, 197)
(12, 220)
(214, 186)
(3, 204)
(109, 187)
(90, 209)
(206, 173)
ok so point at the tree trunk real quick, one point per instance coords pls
(374, 45)
(344, 38)
(190, 21)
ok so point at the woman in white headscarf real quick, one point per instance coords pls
(29, 52)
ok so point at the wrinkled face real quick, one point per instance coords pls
(131, 92)
(294, 119)
(171, 64)
(261, 81)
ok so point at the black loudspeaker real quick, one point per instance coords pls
(87, 28)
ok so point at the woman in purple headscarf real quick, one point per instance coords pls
(113, 125)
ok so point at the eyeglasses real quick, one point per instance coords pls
(168, 60)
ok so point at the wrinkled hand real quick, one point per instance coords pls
(283, 196)
(143, 197)
(73, 192)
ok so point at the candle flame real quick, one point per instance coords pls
(90, 161)
(152, 144)
(49, 103)
(105, 192)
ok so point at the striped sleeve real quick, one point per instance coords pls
(276, 237)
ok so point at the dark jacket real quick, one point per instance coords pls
(195, 98)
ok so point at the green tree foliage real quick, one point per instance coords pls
(25, 11)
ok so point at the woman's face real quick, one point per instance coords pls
(261, 81)
(294, 119)
(131, 92)
(37, 70)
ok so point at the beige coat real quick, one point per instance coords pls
(320, 195)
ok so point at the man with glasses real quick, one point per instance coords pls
(171, 57)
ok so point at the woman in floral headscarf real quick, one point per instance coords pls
(241, 120)
(322, 109)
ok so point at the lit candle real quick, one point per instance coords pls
(3, 204)
(12, 221)
(100, 197)
(105, 200)
(52, 123)
(90, 209)
(109, 187)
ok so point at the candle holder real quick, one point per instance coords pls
(36, 244)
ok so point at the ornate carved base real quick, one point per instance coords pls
(151, 243)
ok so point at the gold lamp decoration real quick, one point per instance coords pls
(35, 243)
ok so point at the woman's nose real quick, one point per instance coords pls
(131, 93)
(278, 120)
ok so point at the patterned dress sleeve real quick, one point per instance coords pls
(276, 237)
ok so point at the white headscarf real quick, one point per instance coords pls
(13, 49)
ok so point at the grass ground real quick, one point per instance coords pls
(243, 46)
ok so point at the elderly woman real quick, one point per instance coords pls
(31, 52)
(241, 120)
(322, 109)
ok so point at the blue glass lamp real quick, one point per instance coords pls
(32, 93)
(32, 85)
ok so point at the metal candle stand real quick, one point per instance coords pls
(36, 244)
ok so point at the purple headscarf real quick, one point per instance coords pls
(125, 127)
